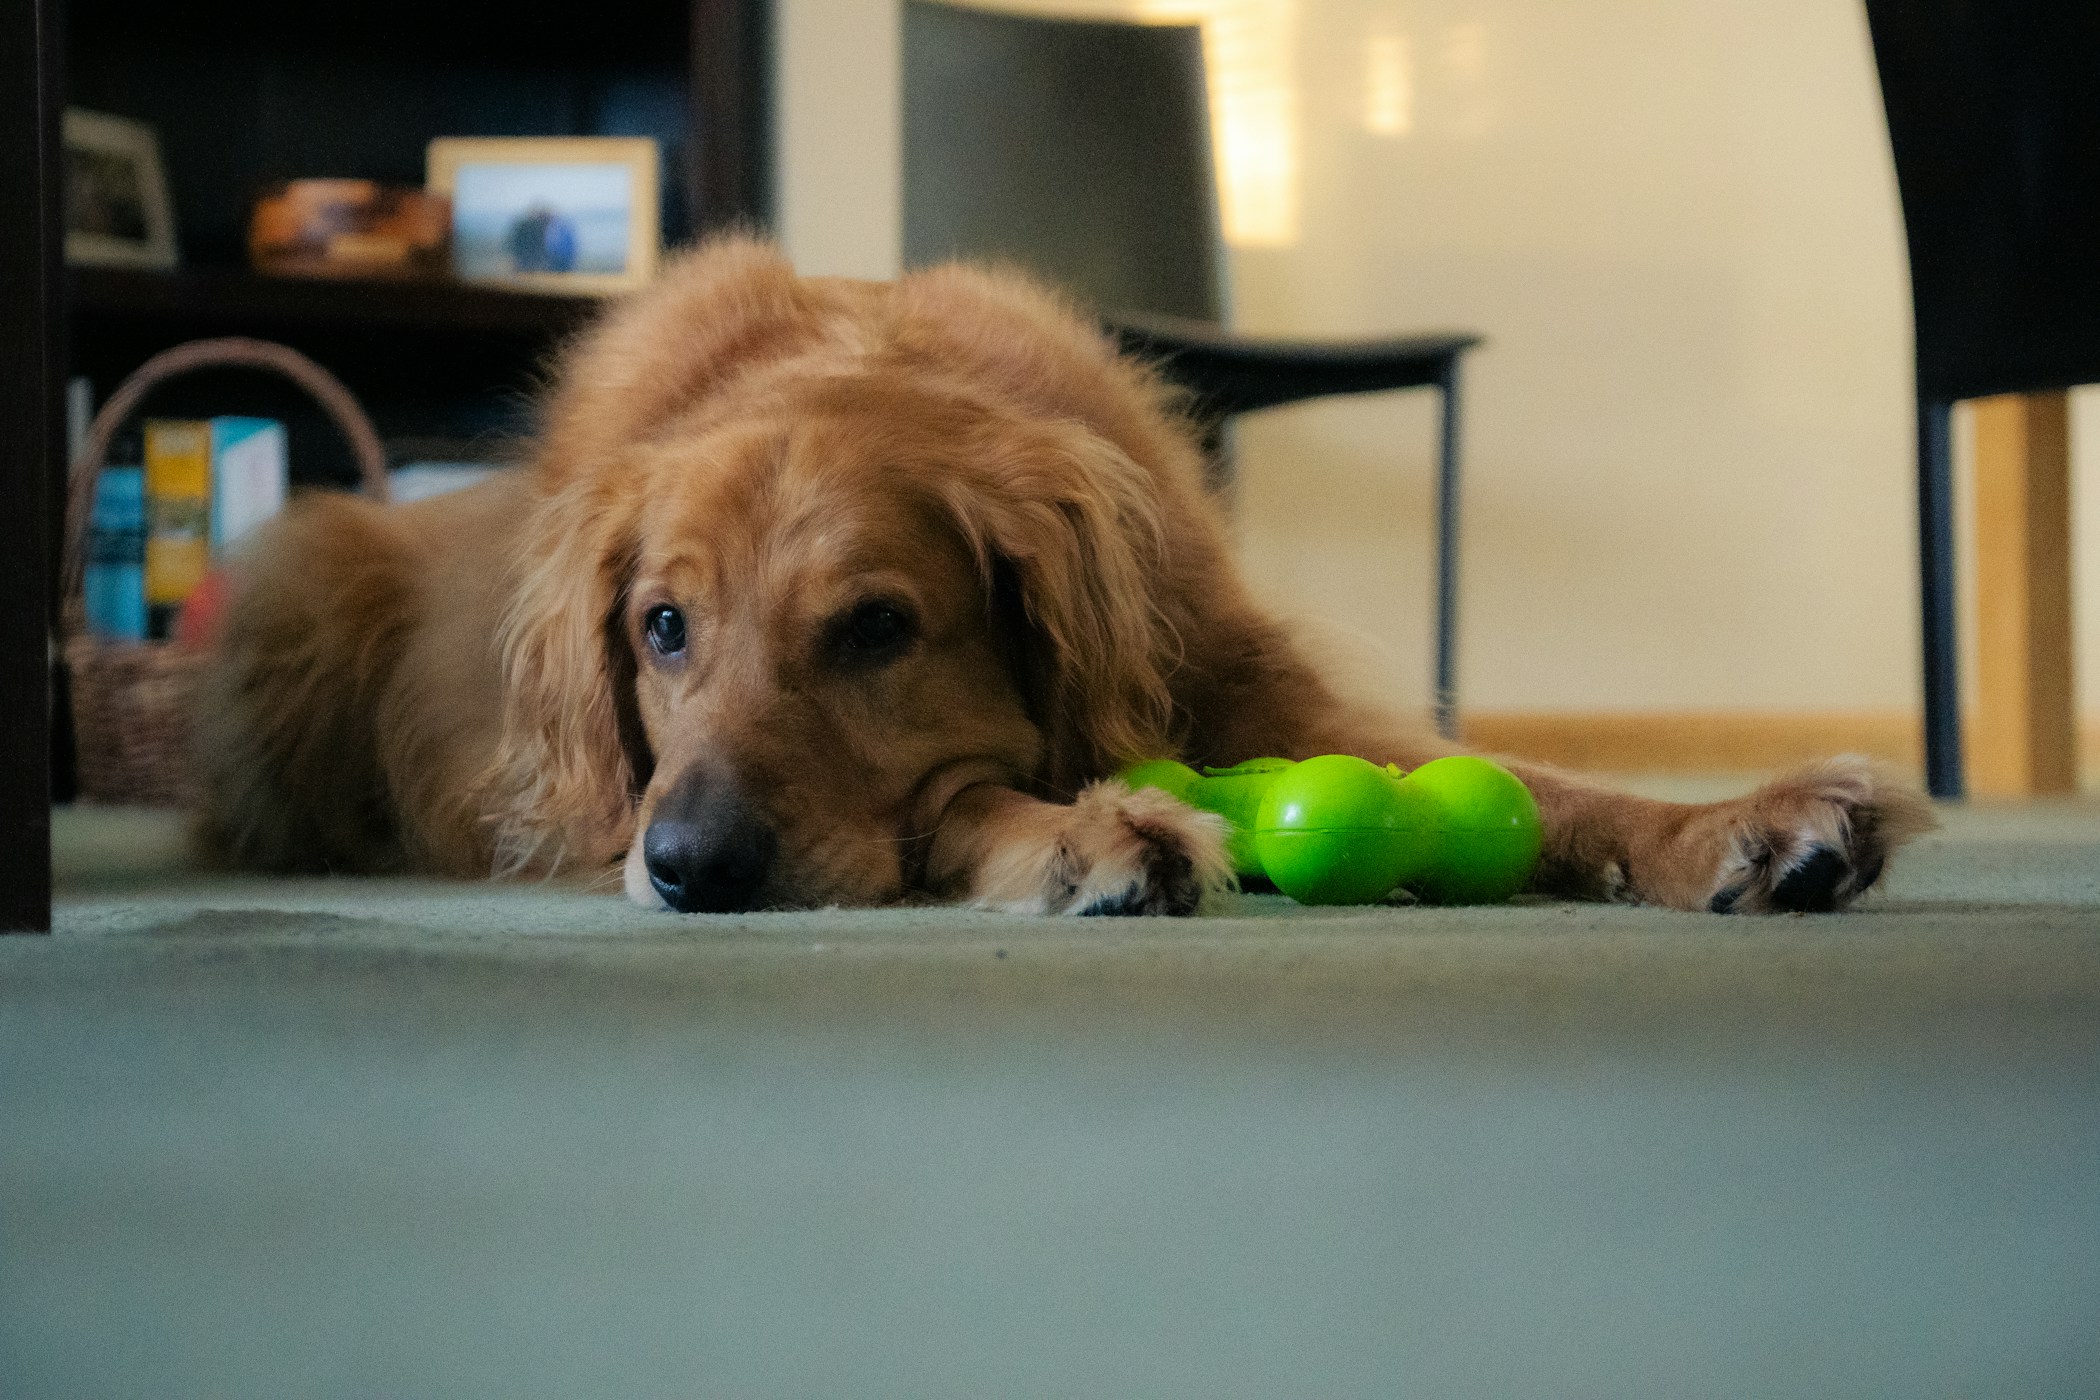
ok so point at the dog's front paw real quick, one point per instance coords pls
(1113, 851)
(1808, 843)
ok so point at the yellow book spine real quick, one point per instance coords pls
(178, 508)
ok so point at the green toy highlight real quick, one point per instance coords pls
(1338, 830)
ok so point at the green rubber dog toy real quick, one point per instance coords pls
(1338, 830)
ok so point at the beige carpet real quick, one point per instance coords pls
(350, 1137)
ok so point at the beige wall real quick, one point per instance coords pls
(1688, 456)
(838, 136)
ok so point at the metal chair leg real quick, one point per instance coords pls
(1447, 558)
(1943, 760)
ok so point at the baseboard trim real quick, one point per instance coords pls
(1707, 741)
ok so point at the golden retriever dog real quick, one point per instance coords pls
(827, 592)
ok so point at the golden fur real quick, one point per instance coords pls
(467, 685)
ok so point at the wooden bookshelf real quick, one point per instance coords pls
(225, 301)
(296, 91)
(360, 91)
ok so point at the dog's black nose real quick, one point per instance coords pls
(707, 851)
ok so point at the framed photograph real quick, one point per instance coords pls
(558, 214)
(116, 193)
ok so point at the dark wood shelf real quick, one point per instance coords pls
(471, 31)
(434, 360)
(226, 300)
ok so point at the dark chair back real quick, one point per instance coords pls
(1079, 150)
(1994, 119)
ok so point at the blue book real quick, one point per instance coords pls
(248, 475)
(115, 580)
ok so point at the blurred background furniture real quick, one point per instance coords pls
(1994, 119)
(1081, 150)
(133, 701)
(30, 448)
(360, 90)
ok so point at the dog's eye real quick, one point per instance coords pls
(874, 632)
(665, 628)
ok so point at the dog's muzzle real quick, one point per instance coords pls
(707, 849)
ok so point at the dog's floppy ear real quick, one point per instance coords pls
(1072, 526)
(571, 757)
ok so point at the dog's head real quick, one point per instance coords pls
(761, 644)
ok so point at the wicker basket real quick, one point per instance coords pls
(132, 701)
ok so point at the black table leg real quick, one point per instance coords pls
(1447, 557)
(1943, 763)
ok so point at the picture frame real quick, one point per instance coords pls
(580, 215)
(117, 209)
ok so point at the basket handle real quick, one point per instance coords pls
(328, 391)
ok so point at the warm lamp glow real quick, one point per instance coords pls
(1389, 85)
(1250, 52)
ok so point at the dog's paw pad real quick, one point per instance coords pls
(1814, 841)
(1813, 885)
(1165, 879)
(1110, 853)
(1123, 853)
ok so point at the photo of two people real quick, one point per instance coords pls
(522, 218)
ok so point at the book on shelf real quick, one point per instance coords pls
(113, 584)
(419, 481)
(248, 477)
(178, 515)
(207, 483)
